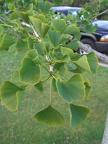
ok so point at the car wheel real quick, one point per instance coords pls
(88, 42)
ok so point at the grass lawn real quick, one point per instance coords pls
(21, 128)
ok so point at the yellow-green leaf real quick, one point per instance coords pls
(29, 72)
(50, 116)
(59, 24)
(93, 62)
(40, 27)
(6, 42)
(82, 63)
(71, 90)
(78, 114)
(11, 95)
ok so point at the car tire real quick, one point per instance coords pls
(87, 42)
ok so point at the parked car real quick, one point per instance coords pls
(98, 40)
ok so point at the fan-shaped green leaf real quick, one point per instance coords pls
(44, 6)
(88, 89)
(40, 47)
(16, 80)
(32, 53)
(78, 114)
(89, 28)
(11, 95)
(29, 72)
(54, 84)
(73, 89)
(54, 37)
(59, 24)
(39, 26)
(23, 15)
(21, 46)
(72, 45)
(50, 116)
(73, 30)
(93, 62)
(39, 86)
(82, 63)
(6, 42)
(70, 53)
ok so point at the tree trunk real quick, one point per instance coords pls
(88, 49)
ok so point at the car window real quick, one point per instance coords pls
(101, 23)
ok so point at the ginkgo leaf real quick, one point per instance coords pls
(54, 37)
(40, 27)
(11, 95)
(88, 89)
(16, 80)
(21, 46)
(93, 62)
(32, 53)
(50, 116)
(59, 24)
(44, 6)
(78, 114)
(71, 90)
(29, 72)
(82, 63)
(54, 84)
(72, 45)
(6, 42)
(39, 86)
(73, 30)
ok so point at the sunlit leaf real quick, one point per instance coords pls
(6, 42)
(40, 47)
(40, 27)
(93, 62)
(87, 88)
(82, 63)
(72, 45)
(30, 43)
(73, 30)
(50, 116)
(89, 28)
(16, 80)
(54, 84)
(11, 95)
(44, 6)
(13, 49)
(71, 90)
(54, 37)
(29, 72)
(32, 54)
(78, 114)
(59, 24)
(67, 51)
(21, 46)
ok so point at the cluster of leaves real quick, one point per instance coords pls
(49, 45)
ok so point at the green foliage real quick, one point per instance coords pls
(50, 117)
(73, 89)
(11, 95)
(78, 113)
(49, 46)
